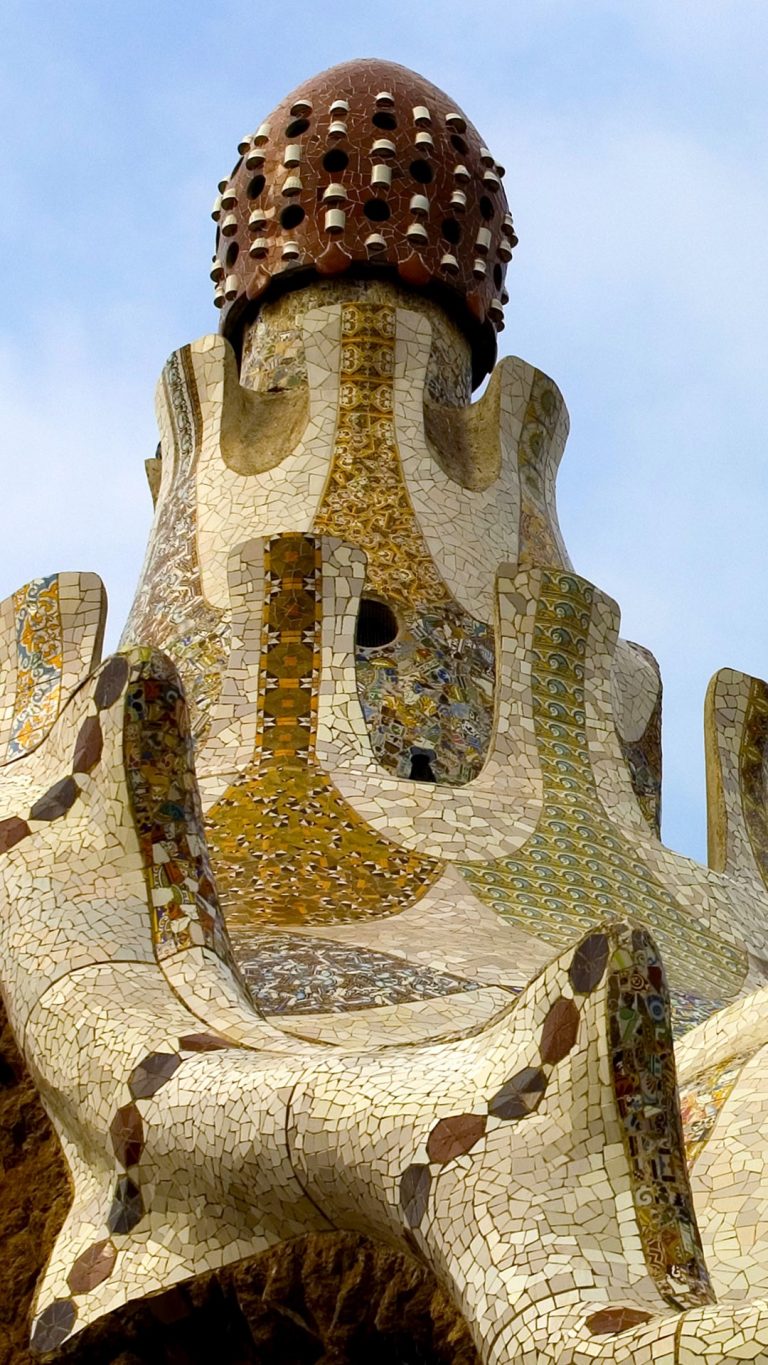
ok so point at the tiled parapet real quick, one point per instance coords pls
(273, 358)
(636, 697)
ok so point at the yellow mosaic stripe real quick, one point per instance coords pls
(365, 500)
(578, 870)
(286, 848)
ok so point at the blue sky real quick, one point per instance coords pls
(633, 132)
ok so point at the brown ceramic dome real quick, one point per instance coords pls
(367, 169)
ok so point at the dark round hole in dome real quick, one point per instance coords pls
(451, 230)
(292, 216)
(256, 186)
(498, 276)
(421, 171)
(384, 120)
(486, 207)
(421, 765)
(335, 160)
(299, 126)
(459, 144)
(377, 210)
(376, 624)
(233, 251)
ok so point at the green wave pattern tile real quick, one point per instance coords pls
(578, 870)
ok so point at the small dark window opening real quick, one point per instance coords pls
(256, 186)
(292, 216)
(377, 210)
(376, 624)
(421, 765)
(335, 160)
(299, 126)
(459, 144)
(384, 120)
(486, 207)
(451, 230)
(233, 251)
(421, 171)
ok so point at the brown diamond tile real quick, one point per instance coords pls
(454, 1136)
(559, 1031)
(111, 682)
(54, 1325)
(615, 1320)
(127, 1206)
(12, 831)
(127, 1133)
(152, 1073)
(588, 964)
(520, 1095)
(59, 798)
(92, 1266)
(203, 1042)
(88, 746)
(414, 1192)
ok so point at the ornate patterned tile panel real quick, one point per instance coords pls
(286, 847)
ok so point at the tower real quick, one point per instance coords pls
(335, 900)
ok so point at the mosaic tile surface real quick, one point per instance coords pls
(166, 809)
(645, 1083)
(391, 189)
(752, 759)
(50, 635)
(169, 610)
(312, 976)
(430, 690)
(287, 847)
(701, 1101)
(579, 869)
(379, 939)
(274, 356)
(40, 661)
(366, 498)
